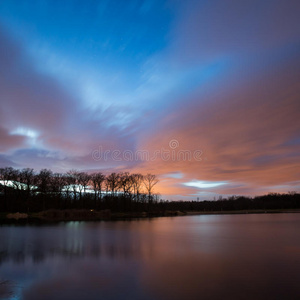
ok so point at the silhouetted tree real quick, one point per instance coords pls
(137, 181)
(67, 182)
(58, 183)
(84, 180)
(112, 182)
(6, 175)
(15, 177)
(73, 180)
(23, 190)
(125, 182)
(28, 178)
(97, 181)
(43, 181)
(150, 180)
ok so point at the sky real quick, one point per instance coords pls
(204, 94)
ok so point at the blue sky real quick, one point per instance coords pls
(216, 76)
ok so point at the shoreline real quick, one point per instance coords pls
(106, 215)
(243, 212)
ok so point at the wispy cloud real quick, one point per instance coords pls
(220, 77)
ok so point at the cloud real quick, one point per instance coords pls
(34, 102)
(203, 184)
(226, 84)
(213, 29)
(245, 133)
(244, 119)
(9, 141)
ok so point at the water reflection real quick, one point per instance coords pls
(207, 257)
(72, 240)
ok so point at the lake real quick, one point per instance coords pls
(250, 256)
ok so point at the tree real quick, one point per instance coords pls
(6, 175)
(43, 180)
(24, 190)
(27, 176)
(97, 180)
(67, 182)
(57, 183)
(83, 180)
(137, 180)
(73, 181)
(112, 182)
(15, 177)
(125, 182)
(150, 180)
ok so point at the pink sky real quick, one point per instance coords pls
(218, 77)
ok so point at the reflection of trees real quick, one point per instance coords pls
(70, 241)
(111, 251)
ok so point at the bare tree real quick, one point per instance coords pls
(97, 180)
(150, 180)
(43, 180)
(5, 176)
(73, 181)
(83, 180)
(15, 177)
(58, 183)
(125, 182)
(137, 180)
(67, 184)
(19, 185)
(112, 182)
(27, 176)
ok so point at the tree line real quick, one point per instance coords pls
(28, 191)
(271, 201)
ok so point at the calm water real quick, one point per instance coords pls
(195, 257)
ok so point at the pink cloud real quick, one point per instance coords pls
(9, 141)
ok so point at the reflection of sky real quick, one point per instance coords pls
(162, 258)
(217, 76)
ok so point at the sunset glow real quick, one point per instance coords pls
(205, 94)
